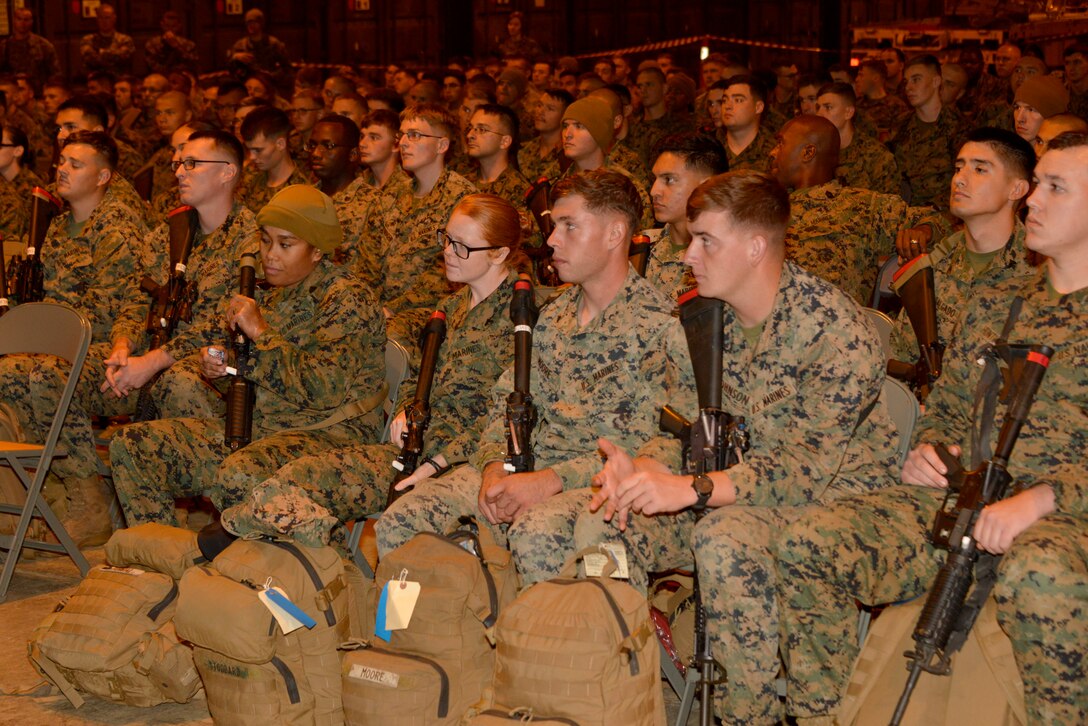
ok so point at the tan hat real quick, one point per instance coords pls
(595, 114)
(305, 212)
(1046, 94)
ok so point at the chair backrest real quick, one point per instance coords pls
(883, 297)
(884, 326)
(396, 370)
(46, 329)
(903, 407)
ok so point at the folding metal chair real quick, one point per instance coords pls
(884, 325)
(43, 329)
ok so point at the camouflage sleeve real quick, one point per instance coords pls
(369, 255)
(904, 344)
(842, 379)
(116, 266)
(87, 51)
(887, 177)
(679, 392)
(939, 224)
(492, 444)
(317, 375)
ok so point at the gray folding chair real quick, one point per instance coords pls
(396, 370)
(43, 329)
(903, 407)
(884, 325)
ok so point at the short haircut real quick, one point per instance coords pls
(482, 82)
(567, 74)
(109, 103)
(508, 119)
(752, 199)
(224, 143)
(311, 95)
(926, 61)
(105, 76)
(1015, 154)
(876, 67)
(603, 190)
(622, 91)
(308, 77)
(719, 85)
(102, 143)
(436, 115)
(898, 53)
(230, 87)
(18, 138)
(1078, 47)
(845, 91)
(382, 117)
(389, 97)
(701, 152)
(1068, 140)
(757, 89)
(351, 131)
(93, 111)
(654, 71)
(267, 121)
(560, 95)
(813, 79)
(454, 73)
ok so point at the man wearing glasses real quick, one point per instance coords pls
(334, 154)
(228, 100)
(208, 171)
(306, 110)
(400, 257)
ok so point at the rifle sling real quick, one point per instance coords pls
(986, 393)
(350, 410)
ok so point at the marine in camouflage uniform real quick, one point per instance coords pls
(255, 192)
(624, 157)
(33, 55)
(353, 204)
(998, 115)
(111, 52)
(840, 234)
(607, 378)
(886, 114)
(875, 547)
(353, 481)
(867, 164)
(269, 54)
(533, 165)
(924, 153)
(512, 186)
(644, 133)
(665, 267)
(323, 350)
(956, 282)
(756, 155)
(15, 203)
(400, 256)
(165, 58)
(809, 388)
(40, 142)
(129, 161)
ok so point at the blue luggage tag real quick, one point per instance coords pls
(380, 629)
(280, 600)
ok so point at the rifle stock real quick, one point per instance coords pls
(417, 414)
(538, 200)
(639, 254)
(241, 393)
(520, 409)
(31, 275)
(948, 616)
(915, 286)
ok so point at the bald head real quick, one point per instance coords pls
(1057, 124)
(807, 152)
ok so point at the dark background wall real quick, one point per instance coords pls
(428, 31)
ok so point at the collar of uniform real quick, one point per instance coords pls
(614, 319)
(954, 249)
(773, 322)
(818, 192)
(457, 309)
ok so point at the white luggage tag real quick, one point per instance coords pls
(289, 616)
(615, 551)
(395, 606)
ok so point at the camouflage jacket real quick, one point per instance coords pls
(400, 256)
(1078, 104)
(324, 347)
(269, 53)
(608, 378)
(111, 53)
(162, 57)
(353, 205)
(665, 268)
(255, 192)
(997, 114)
(809, 390)
(41, 141)
(839, 234)
(129, 161)
(479, 346)
(212, 268)
(1051, 448)
(512, 186)
(99, 269)
(399, 176)
(34, 56)
(15, 203)
(533, 165)
(925, 153)
(886, 114)
(756, 156)
(956, 283)
(644, 133)
(624, 157)
(867, 164)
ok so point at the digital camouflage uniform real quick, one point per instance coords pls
(400, 256)
(955, 283)
(353, 205)
(867, 164)
(323, 349)
(533, 166)
(213, 270)
(129, 161)
(112, 53)
(644, 133)
(41, 143)
(624, 157)
(353, 481)
(839, 234)
(885, 114)
(874, 547)
(164, 58)
(15, 204)
(925, 153)
(756, 156)
(33, 55)
(398, 177)
(163, 176)
(97, 272)
(512, 186)
(665, 268)
(606, 379)
(254, 192)
(269, 54)
(997, 115)
(809, 390)
(1078, 103)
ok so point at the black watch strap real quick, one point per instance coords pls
(704, 488)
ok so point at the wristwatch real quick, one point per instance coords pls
(704, 487)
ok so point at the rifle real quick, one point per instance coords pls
(520, 409)
(30, 273)
(639, 254)
(949, 612)
(171, 303)
(241, 393)
(3, 280)
(538, 199)
(914, 285)
(417, 414)
(715, 442)
(143, 181)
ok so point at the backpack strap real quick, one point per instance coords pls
(55, 675)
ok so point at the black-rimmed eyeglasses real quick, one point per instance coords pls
(459, 248)
(190, 164)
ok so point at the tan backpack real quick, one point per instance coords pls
(252, 672)
(579, 649)
(439, 665)
(113, 637)
(985, 668)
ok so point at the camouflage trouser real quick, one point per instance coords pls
(734, 558)
(541, 539)
(872, 548)
(182, 392)
(158, 461)
(652, 544)
(1041, 596)
(351, 482)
